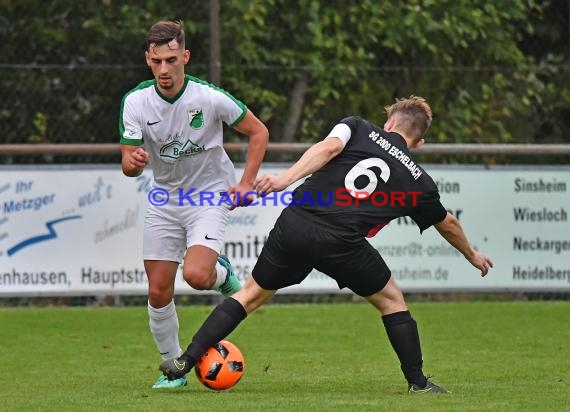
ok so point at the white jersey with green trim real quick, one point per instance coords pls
(183, 134)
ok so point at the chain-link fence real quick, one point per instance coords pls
(474, 100)
(58, 98)
(82, 105)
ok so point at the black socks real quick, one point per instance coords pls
(400, 326)
(221, 322)
(403, 334)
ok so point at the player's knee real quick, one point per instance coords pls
(199, 279)
(390, 299)
(252, 296)
(159, 296)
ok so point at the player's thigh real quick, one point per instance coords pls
(206, 226)
(285, 259)
(163, 237)
(357, 266)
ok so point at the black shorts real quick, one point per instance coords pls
(299, 243)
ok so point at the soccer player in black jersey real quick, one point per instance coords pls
(362, 176)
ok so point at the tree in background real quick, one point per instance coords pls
(493, 71)
(335, 58)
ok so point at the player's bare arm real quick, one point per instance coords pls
(312, 160)
(451, 230)
(134, 159)
(258, 135)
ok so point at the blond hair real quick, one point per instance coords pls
(412, 116)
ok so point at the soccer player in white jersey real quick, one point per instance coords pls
(175, 124)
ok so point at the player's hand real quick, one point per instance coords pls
(242, 195)
(270, 183)
(139, 158)
(481, 262)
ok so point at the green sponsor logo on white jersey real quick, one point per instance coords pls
(175, 149)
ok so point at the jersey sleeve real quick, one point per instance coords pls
(345, 129)
(342, 132)
(352, 122)
(129, 123)
(428, 210)
(229, 109)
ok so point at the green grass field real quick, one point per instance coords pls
(510, 356)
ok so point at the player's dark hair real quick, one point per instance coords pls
(412, 115)
(164, 31)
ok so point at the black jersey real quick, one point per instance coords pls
(372, 181)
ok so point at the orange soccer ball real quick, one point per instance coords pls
(221, 367)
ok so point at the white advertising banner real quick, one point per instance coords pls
(78, 231)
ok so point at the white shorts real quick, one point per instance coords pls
(170, 230)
